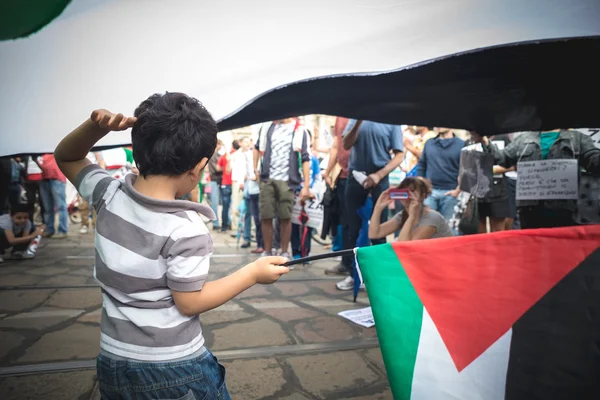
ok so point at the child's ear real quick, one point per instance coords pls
(200, 166)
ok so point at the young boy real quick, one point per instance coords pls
(153, 252)
(16, 231)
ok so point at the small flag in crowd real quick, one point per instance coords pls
(510, 315)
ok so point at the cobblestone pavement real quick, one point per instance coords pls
(283, 341)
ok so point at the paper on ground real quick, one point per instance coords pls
(362, 317)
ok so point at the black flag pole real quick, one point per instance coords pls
(319, 257)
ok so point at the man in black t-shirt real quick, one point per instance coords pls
(215, 183)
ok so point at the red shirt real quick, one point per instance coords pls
(343, 156)
(226, 179)
(50, 168)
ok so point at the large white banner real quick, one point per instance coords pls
(113, 54)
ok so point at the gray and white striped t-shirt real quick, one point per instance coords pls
(281, 147)
(144, 249)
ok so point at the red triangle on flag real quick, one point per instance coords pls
(476, 287)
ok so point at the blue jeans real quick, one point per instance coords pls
(54, 197)
(441, 203)
(255, 206)
(198, 378)
(226, 201)
(214, 202)
(247, 221)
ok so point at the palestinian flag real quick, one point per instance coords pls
(510, 315)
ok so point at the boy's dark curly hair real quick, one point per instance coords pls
(172, 134)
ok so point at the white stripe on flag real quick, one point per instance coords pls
(436, 377)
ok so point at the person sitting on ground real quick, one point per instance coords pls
(153, 252)
(17, 231)
(416, 221)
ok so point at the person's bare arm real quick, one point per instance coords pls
(409, 146)
(216, 293)
(71, 152)
(350, 138)
(374, 179)
(377, 230)
(422, 232)
(333, 152)
(13, 241)
(498, 169)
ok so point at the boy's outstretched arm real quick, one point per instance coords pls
(213, 294)
(71, 152)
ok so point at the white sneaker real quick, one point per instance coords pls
(83, 230)
(346, 284)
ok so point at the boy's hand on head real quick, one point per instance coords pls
(113, 122)
(269, 269)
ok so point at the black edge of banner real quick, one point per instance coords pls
(533, 85)
(305, 260)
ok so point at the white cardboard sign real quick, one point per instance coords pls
(547, 180)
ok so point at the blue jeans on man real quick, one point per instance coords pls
(442, 203)
(225, 212)
(214, 202)
(54, 198)
(248, 220)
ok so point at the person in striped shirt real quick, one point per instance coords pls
(153, 251)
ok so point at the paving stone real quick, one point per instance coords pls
(87, 272)
(39, 319)
(384, 395)
(293, 289)
(21, 279)
(324, 374)
(254, 291)
(63, 280)
(8, 341)
(6, 270)
(83, 298)
(77, 341)
(290, 314)
(254, 379)
(374, 355)
(18, 300)
(263, 304)
(58, 386)
(219, 316)
(93, 316)
(262, 332)
(329, 287)
(294, 396)
(324, 329)
(48, 271)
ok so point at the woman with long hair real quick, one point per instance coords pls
(416, 221)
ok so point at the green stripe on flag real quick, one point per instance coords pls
(398, 314)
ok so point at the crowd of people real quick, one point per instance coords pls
(252, 187)
(153, 251)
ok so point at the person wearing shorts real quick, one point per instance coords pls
(283, 146)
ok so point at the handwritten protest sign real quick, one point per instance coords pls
(547, 180)
(313, 207)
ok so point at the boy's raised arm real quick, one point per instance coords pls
(71, 152)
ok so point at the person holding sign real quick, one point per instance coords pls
(550, 166)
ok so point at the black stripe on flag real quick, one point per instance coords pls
(555, 347)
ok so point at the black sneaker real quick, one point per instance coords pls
(245, 245)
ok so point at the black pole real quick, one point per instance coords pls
(319, 257)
